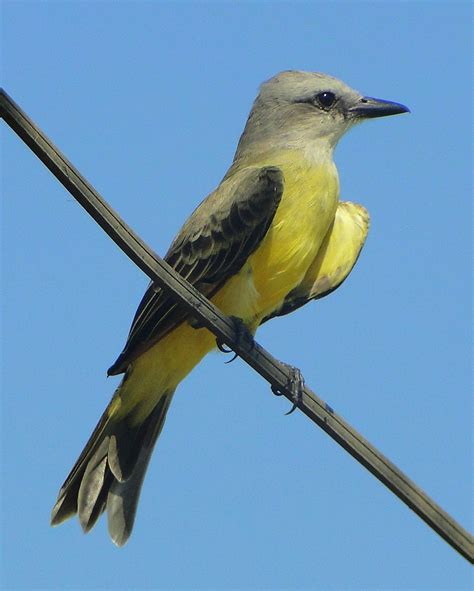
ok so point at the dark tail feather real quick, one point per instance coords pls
(109, 473)
(123, 495)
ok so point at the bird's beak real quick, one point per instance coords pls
(368, 107)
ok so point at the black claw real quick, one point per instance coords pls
(222, 347)
(243, 336)
(296, 386)
(275, 390)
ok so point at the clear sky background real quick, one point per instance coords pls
(148, 99)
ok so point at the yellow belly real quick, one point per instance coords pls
(304, 215)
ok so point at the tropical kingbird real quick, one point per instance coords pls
(269, 239)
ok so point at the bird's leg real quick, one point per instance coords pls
(244, 338)
(295, 385)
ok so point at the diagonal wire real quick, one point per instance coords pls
(272, 370)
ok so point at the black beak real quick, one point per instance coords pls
(368, 107)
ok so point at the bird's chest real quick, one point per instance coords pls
(306, 210)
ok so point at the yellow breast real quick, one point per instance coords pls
(304, 215)
(306, 211)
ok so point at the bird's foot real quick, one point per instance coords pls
(295, 385)
(243, 336)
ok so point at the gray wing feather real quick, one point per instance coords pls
(212, 246)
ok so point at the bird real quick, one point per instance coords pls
(270, 238)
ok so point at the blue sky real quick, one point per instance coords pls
(148, 100)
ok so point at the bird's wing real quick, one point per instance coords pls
(335, 259)
(212, 246)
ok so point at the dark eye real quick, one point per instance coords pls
(326, 99)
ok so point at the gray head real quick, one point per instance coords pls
(299, 109)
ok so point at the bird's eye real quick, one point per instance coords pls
(326, 99)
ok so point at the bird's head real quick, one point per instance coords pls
(296, 109)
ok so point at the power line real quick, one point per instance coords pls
(275, 372)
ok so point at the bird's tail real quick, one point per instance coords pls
(110, 470)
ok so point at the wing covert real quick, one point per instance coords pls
(213, 245)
